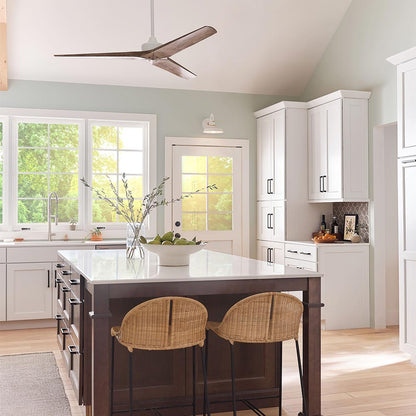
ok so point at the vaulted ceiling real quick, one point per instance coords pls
(262, 46)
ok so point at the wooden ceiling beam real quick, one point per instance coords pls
(3, 46)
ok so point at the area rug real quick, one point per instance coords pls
(30, 385)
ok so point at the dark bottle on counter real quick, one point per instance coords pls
(334, 226)
(323, 224)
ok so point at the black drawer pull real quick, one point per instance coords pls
(292, 251)
(73, 349)
(74, 282)
(60, 266)
(270, 221)
(305, 253)
(59, 317)
(66, 289)
(73, 301)
(58, 280)
(66, 272)
(65, 331)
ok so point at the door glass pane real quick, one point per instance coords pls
(194, 221)
(220, 202)
(194, 164)
(220, 164)
(190, 183)
(220, 222)
(224, 183)
(195, 202)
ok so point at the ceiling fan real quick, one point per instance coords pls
(159, 54)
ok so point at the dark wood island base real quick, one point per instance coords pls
(164, 378)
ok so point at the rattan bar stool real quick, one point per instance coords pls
(166, 323)
(264, 318)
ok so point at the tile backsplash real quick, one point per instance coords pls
(359, 208)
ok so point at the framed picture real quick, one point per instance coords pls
(350, 224)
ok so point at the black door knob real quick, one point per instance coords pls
(177, 223)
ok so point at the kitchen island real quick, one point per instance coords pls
(105, 285)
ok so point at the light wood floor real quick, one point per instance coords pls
(363, 372)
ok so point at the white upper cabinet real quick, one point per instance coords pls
(406, 101)
(271, 157)
(338, 147)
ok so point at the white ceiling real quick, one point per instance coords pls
(262, 46)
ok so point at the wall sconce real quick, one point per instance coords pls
(210, 127)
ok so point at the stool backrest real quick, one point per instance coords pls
(266, 317)
(164, 324)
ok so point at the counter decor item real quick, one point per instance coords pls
(325, 238)
(72, 224)
(125, 204)
(95, 235)
(350, 225)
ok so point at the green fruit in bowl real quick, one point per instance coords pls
(155, 242)
(181, 242)
(168, 236)
(167, 243)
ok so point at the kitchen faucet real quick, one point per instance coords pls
(52, 194)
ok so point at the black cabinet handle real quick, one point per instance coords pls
(323, 183)
(66, 272)
(73, 349)
(292, 251)
(49, 278)
(59, 317)
(74, 301)
(60, 266)
(65, 331)
(74, 282)
(320, 184)
(305, 253)
(58, 281)
(269, 186)
(268, 257)
(269, 221)
(66, 289)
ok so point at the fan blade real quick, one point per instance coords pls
(174, 68)
(170, 48)
(132, 54)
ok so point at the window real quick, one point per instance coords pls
(50, 150)
(116, 149)
(47, 160)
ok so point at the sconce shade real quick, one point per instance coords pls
(210, 127)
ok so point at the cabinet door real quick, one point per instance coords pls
(265, 160)
(2, 292)
(332, 182)
(271, 221)
(317, 148)
(279, 177)
(407, 254)
(270, 251)
(406, 100)
(29, 291)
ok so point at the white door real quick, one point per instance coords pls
(29, 291)
(213, 216)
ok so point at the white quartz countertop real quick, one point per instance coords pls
(335, 243)
(111, 266)
(59, 243)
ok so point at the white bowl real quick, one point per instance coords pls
(171, 255)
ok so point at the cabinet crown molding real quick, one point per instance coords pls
(403, 56)
(279, 106)
(337, 95)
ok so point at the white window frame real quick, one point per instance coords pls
(10, 118)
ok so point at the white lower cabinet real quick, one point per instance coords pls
(345, 285)
(271, 220)
(29, 291)
(271, 251)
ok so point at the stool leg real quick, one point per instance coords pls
(280, 377)
(112, 375)
(305, 411)
(130, 383)
(193, 381)
(233, 380)
(204, 372)
(206, 366)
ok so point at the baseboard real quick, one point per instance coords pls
(35, 323)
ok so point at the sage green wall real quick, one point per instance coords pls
(179, 113)
(371, 31)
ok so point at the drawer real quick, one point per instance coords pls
(270, 251)
(38, 254)
(301, 252)
(301, 264)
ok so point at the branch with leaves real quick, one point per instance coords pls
(125, 205)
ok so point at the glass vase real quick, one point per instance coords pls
(134, 248)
